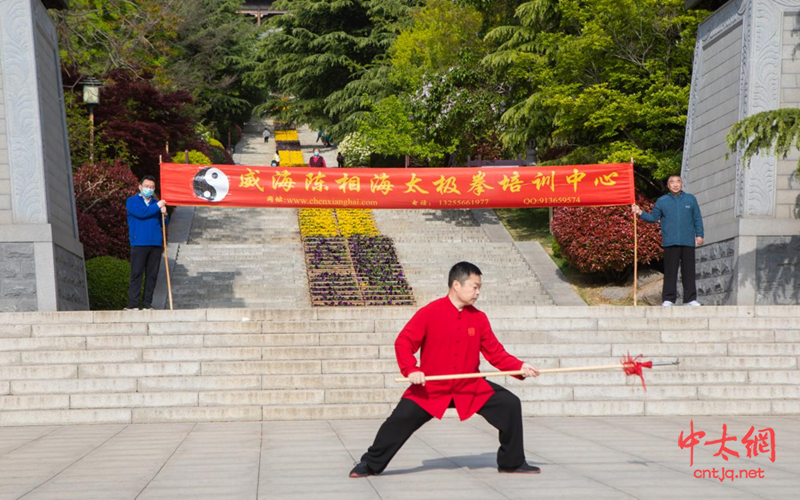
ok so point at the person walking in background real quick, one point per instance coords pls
(316, 161)
(145, 232)
(681, 231)
(340, 159)
(265, 134)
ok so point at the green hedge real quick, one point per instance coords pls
(195, 158)
(108, 279)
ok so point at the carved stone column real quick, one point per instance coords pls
(746, 61)
(41, 257)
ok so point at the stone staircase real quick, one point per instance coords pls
(240, 257)
(429, 242)
(331, 363)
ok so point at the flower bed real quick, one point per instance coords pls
(355, 221)
(288, 146)
(286, 135)
(291, 159)
(317, 222)
(348, 262)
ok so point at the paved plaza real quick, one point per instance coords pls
(580, 458)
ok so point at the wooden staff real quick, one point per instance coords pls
(635, 252)
(460, 376)
(166, 258)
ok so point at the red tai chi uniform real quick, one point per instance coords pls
(450, 342)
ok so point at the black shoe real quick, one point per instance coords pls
(361, 470)
(525, 468)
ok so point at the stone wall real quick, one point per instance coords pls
(715, 108)
(778, 271)
(715, 272)
(788, 180)
(37, 208)
(745, 62)
(5, 169)
(55, 144)
(17, 277)
(71, 281)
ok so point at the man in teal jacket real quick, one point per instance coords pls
(145, 231)
(681, 231)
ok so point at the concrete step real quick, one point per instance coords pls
(262, 364)
(237, 257)
(429, 242)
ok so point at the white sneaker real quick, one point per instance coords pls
(693, 303)
(667, 303)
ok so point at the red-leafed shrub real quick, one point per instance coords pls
(600, 239)
(100, 193)
(136, 121)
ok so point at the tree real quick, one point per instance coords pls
(319, 47)
(391, 130)
(774, 132)
(440, 30)
(135, 122)
(596, 79)
(97, 36)
(434, 65)
(215, 53)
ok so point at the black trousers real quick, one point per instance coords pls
(673, 257)
(503, 410)
(144, 261)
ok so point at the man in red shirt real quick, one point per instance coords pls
(452, 335)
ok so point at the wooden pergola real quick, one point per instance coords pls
(260, 9)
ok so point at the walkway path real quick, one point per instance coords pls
(242, 257)
(597, 458)
(429, 242)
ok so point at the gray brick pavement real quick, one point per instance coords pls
(580, 458)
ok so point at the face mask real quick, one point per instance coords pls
(147, 192)
(316, 154)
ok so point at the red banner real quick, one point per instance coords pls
(485, 187)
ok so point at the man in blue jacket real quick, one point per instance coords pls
(144, 227)
(681, 230)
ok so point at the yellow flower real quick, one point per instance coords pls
(286, 135)
(356, 221)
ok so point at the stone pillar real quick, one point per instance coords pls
(746, 61)
(41, 257)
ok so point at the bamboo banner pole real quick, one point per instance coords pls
(166, 257)
(635, 255)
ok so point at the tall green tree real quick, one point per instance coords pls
(98, 36)
(598, 80)
(319, 47)
(215, 53)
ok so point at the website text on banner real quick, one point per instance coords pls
(252, 186)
